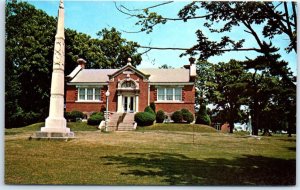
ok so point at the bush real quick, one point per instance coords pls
(202, 116)
(152, 105)
(187, 116)
(149, 110)
(160, 116)
(177, 117)
(144, 118)
(95, 118)
(73, 115)
(67, 115)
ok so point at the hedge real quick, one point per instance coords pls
(160, 116)
(177, 117)
(144, 118)
(202, 116)
(73, 115)
(149, 110)
(187, 115)
(95, 118)
(152, 105)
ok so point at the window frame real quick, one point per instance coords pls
(85, 88)
(165, 95)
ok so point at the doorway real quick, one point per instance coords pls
(128, 104)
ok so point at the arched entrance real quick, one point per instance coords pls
(128, 96)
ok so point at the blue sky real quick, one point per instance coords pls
(91, 16)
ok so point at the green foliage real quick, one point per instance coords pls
(74, 115)
(160, 116)
(177, 117)
(152, 105)
(29, 38)
(149, 110)
(187, 115)
(202, 116)
(95, 118)
(144, 118)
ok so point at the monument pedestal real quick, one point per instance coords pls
(56, 128)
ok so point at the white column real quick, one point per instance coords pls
(119, 103)
(136, 103)
(56, 121)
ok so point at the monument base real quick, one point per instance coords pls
(55, 128)
(52, 135)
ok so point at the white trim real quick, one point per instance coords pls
(172, 83)
(87, 84)
(169, 102)
(85, 94)
(165, 94)
(89, 101)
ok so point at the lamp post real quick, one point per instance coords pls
(107, 93)
(250, 126)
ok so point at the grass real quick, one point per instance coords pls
(74, 126)
(149, 156)
(179, 127)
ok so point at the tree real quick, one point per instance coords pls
(276, 18)
(202, 116)
(228, 90)
(165, 66)
(29, 39)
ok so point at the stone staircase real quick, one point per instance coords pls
(121, 122)
(128, 123)
(113, 121)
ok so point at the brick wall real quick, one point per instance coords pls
(143, 95)
(71, 98)
(188, 100)
(188, 97)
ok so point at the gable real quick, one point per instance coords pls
(129, 69)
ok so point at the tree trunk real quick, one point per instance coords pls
(231, 125)
(289, 130)
(266, 132)
(255, 124)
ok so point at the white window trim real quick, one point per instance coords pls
(85, 94)
(165, 95)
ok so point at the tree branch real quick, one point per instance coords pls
(151, 7)
(186, 49)
(165, 18)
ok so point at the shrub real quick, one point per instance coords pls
(67, 115)
(187, 116)
(160, 116)
(183, 111)
(152, 105)
(144, 118)
(202, 116)
(149, 110)
(73, 115)
(177, 117)
(95, 118)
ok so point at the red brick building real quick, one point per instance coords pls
(131, 89)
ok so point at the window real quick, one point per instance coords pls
(89, 94)
(160, 94)
(178, 94)
(128, 84)
(169, 94)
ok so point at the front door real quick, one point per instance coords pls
(128, 103)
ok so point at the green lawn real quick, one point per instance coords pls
(158, 155)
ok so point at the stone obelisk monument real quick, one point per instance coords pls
(56, 123)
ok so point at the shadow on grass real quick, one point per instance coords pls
(178, 169)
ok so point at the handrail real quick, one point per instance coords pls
(120, 119)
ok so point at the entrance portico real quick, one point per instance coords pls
(128, 96)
